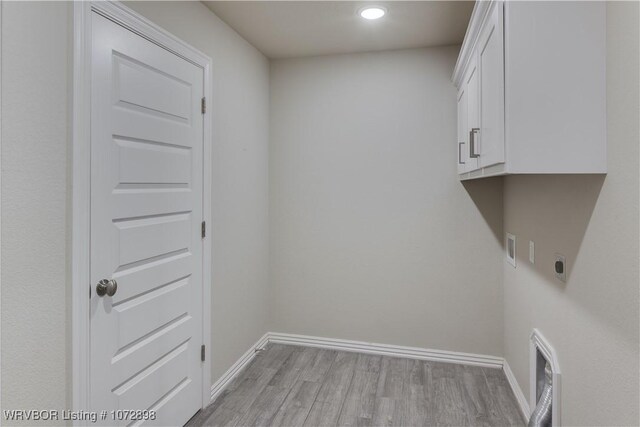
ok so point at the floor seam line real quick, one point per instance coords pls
(319, 389)
(347, 393)
(285, 398)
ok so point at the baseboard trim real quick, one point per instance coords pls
(219, 386)
(388, 350)
(373, 348)
(517, 391)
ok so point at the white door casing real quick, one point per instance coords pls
(140, 193)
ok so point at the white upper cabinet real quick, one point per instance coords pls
(532, 89)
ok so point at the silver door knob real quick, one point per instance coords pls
(108, 287)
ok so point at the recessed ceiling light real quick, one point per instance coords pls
(372, 12)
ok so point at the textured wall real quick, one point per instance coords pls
(240, 174)
(373, 236)
(35, 54)
(592, 320)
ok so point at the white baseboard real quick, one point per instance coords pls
(373, 348)
(234, 370)
(517, 391)
(388, 350)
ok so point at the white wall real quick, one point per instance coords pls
(373, 237)
(36, 50)
(593, 319)
(35, 137)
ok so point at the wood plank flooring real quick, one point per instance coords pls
(300, 386)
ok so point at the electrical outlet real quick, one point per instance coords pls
(560, 267)
(532, 252)
(511, 249)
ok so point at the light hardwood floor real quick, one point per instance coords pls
(300, 386)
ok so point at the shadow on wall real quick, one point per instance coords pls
(487, 194)
(554, 211)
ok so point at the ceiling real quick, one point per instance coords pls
(283, 29)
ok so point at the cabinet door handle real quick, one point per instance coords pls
(472, 143)
(460, 162)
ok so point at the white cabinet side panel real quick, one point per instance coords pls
(555, 87)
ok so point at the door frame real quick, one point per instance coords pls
(81, 185)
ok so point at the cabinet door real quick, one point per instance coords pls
(472, 95)
(463, 134)
(490, 53)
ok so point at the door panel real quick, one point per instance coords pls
(150, 162)
(473, 114)
(491, 59)
(147, 238)
(462, 143)
(149, 386)
(149, 90)
(146, 210)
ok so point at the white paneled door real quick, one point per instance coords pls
(146, 214)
